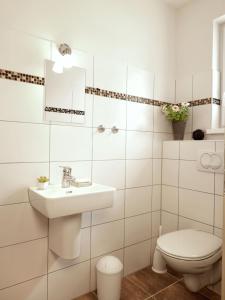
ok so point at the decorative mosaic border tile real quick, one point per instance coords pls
(216, 101)
(21, 77)
(11, 75)
(64, 111)
(115, 95)
(205, 101)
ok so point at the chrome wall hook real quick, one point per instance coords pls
(114, 129)
(101, 128)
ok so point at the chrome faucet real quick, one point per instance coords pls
(67, 177)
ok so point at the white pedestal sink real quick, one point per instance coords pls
(63, 206)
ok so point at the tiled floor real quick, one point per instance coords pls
(146, 284)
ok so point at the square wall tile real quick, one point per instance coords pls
(193, 179)
(157, 171)
(86, 219)
(156, 197)
(57, 263)
(169, 222)
(171, 149)
(202, 85)
(139, 145)
(153, 246)
(158, 139)
(196, 205)
(161, 124)
(140, 82)
(137, 229)
(185, 223)
(22, 52)
(164, 88)
(16, 178)
(138, 201)
(21, 101)
(70, 143)
(110, 74)
(109, 112)
(21, 223)
(31, 142)
(219, 203)
(189, 149)
(202, 117)
(109, 173)
(184, 89)
(34, 289)
(170, 171)
(116, 212)
(29, 261)
(80, 169)
(107, 145)
(102, 240)
(69, 283)
(138, 173)
(156, 222)
(136, 257)
(139, 116)
(219, 184)
(189, 124)
(170, 199)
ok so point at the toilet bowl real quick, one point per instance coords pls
(193, 253)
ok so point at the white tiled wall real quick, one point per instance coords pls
(194, 87)
(190, 198)
(129, 160)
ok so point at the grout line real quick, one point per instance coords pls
(188, 189)
(174, 283)
(21, 282)
(178, 189)
(24, 242)
(178, 215)
(92, 166)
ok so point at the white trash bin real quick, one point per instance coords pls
(109, 276)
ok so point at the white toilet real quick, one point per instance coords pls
(193, 253)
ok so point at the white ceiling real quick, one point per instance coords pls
(177, 3)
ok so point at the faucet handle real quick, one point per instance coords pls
(66, 170)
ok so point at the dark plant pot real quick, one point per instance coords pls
(178, 129)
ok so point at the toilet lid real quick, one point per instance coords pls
(189, 244)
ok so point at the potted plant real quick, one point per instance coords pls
(42, 182)
(178, 114)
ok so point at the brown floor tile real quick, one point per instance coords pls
(151, 282)
(132, 292)
(178, 292)
(89, 296)
(174, 273)
(209, 294)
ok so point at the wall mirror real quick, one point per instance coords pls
(64, 94)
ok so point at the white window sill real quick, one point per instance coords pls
(215, 131)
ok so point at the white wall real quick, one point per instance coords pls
(194, 36)
(191, 198)
(129, 160)
(142, 33)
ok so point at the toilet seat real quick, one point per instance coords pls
(189, 244)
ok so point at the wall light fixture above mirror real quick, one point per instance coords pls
(64, 60)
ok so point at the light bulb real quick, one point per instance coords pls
(57, 68)
(67, 61)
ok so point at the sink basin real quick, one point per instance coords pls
(57, 202)
(64, 206)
